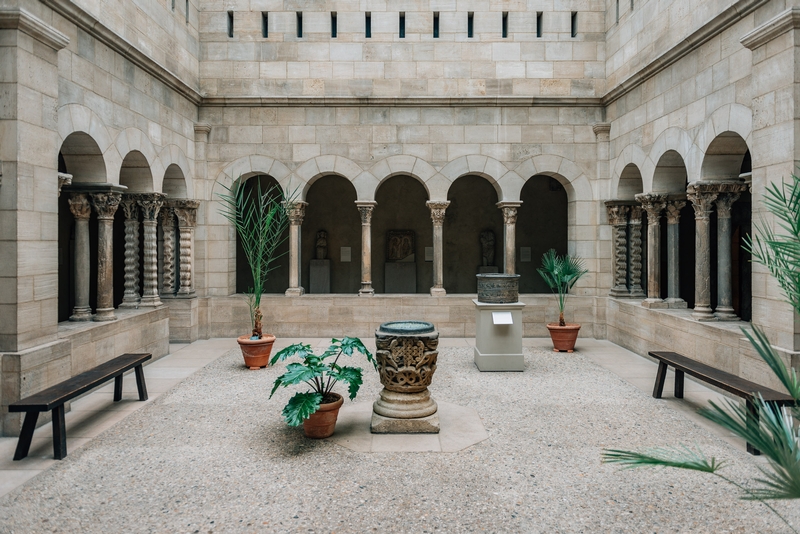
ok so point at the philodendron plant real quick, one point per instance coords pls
(320, 375)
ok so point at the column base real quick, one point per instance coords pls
(676, 303)
(81, 314)
(725, 313)
(163, 296)
(188, 295)
(637, 292)
(366, 292)
(438, 292)
(105, 314)
(619, 292)
(703, 314)
(150, 302)
(130, 304)
(294, 292)
(654, 303)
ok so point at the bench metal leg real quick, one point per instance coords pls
(118, 388)
(26, 435)
(140, 385)
(752, 420)
(661, 376)
(59, 433)
(678, 384)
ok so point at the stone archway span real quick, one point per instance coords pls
(74, 118)
(734, 118)
(566, 171)
(133, 139)
(672, 139)
(632, 155)
(483, 166)
(314, 169)
(407, 165)
(248, 165)
(173, 155)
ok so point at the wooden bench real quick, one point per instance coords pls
(53, 398)
(731, 383)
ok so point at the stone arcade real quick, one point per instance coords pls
(640, 137)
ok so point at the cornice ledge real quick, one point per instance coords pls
(699, 37)
(349, 101)
(778, 25)
(19, 19)
(101, 32)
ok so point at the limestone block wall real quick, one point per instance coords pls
(417, 65)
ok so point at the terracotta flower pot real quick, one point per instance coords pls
(563, 336)
(322, 423)
(256, 351)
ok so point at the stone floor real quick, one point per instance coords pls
(496, 449)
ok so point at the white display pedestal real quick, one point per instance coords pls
(498, 336)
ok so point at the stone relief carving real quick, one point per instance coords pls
(400, 245)
(406, 364)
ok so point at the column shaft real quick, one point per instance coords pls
(438, 209)
(105, 204)
(674, 299)
(131, 298)
(81, 210)
(653, 204)
(702, 199)
(635, 257)
(296, 211)
(509, 210)
(724, 311)
(618, 219)
(167, 216)
(186, 213)
(150, 204)
(365, 211)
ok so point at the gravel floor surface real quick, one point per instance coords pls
(213, 455)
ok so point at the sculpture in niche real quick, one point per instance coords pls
(322, 245)
(487, 247)
(400, 245)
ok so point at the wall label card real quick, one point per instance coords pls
(502, 317)
(525, 254)
(345, 255)
(428, 253)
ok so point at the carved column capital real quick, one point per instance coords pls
(365, 208)
(130, 206)
(295, 211)
(438, 209)
(653, 204)
(150, 203)
(636, 215)
(63, 179)
(509, 210)
(602, 130)
(186, 212)
(702, 196)
(79, 205)
(617, 213)
(106, 204)
(674, 207)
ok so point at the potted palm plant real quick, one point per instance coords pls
(318, 408)
(260, 221)
(560, 273)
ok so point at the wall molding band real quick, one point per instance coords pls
(19, 19)
(776, 26)
(347, 101)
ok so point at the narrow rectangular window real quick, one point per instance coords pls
(631, 5)
(402, 25)
(299, 24)
(617, 10)
(230, 23)
(264, 24)
(172, 4)
(187, 11)
(538, 24)
(574, 23)
(368, 25)
(333, 24)
(470, 24)
(435, 24)
(505, 24)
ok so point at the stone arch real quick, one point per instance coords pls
(407, 165)
(567, 172)
(675, 140)
(135, 173)
(78, 119)
(313, 169)
(623, 178)
(723, 158)
(248, 166)
(734, 118)
(133, 140)
(670, 173)
(176, 170)
(483, 166)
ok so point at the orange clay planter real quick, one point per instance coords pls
(322, 423)
(563, 337)
(256, 352)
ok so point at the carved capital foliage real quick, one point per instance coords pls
(186, 212)
(295, 211)
(674, 208)
(702, 197)
(653, 204)
(365, 211)
(509, 210)
(636, 216)
(150, 203)
(106, 204)
(617, 214)
(79, 205)
(438, 209)
(63, 179)
(166, 214)
(130, 206)
(725, 203)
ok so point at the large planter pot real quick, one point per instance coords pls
(256, 351)
(322, 423)
(563, 336)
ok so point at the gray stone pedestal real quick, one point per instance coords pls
(406, 354)
(498, 345)
(319, 276)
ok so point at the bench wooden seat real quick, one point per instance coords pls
(53, 398)
(726, 381)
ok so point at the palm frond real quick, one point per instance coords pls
(680, 458)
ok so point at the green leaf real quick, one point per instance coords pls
(298, 349)
(683, 458)
(297, 373)
(351, 375)
(300, 407)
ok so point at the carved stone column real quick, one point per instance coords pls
(365, 208)
(617, 213)
(105, 204)
(186, 212)
(635, 256)
(130, 207)
(437, 216)
(295, 212)
(150, 204)
(653, 204)
(674, 207)
(167, 219)
(81, 210)
(702, 196)
(509, 210)
(730, 193)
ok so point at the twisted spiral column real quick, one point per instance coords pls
(186, 212)
(150, 204)
(130, 207)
